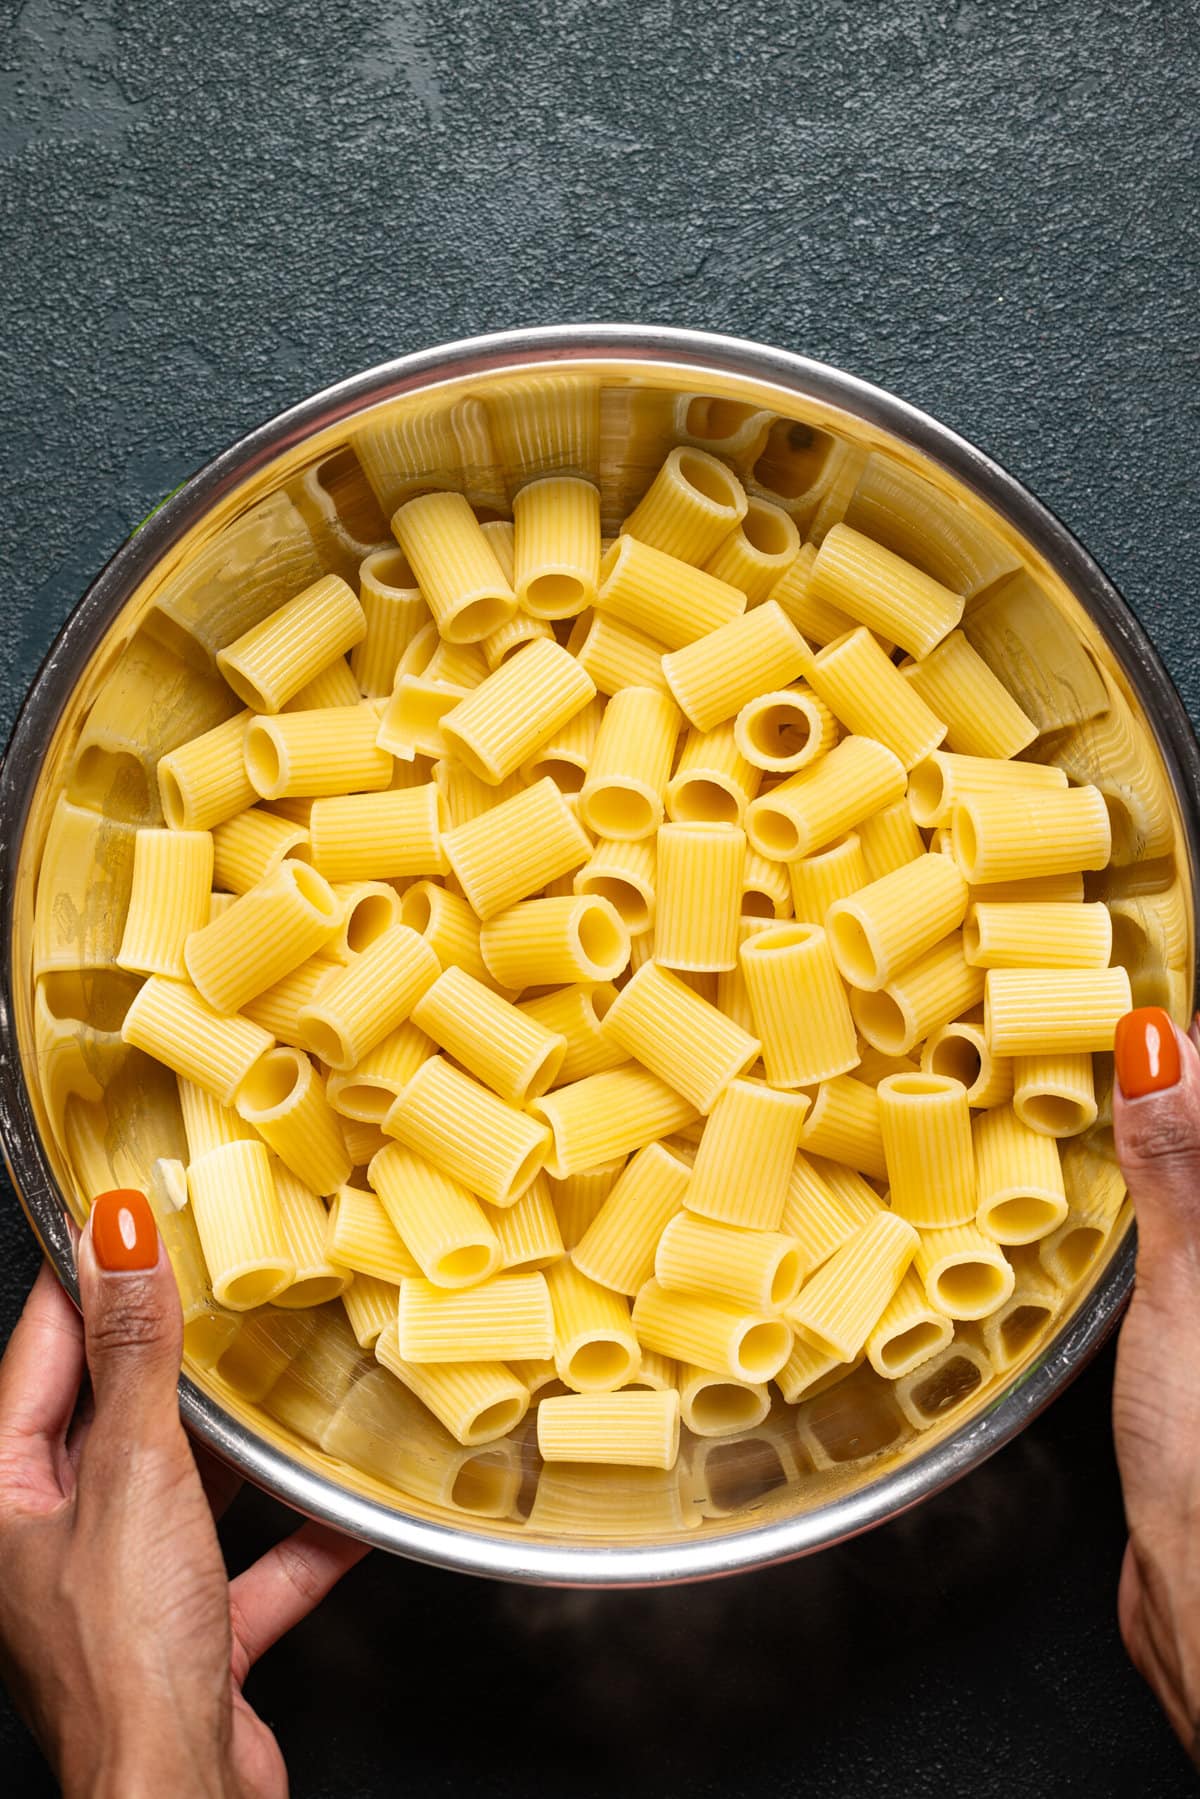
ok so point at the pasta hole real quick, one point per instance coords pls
(1125, 835)
(600, 1364)
(716, 419)
(794, 459)
(970, 937)
(470, 1263)
(416, 908)
(419, 651)
(600, 999)
(545, 1071)
(625, 899)
(325, 1041)
(710, 479)
(785, 1283)
(971, 1289)
(478, 620)
(112, 780)
(920, 1086)
(272, 1081)
(926, 793)
(778, 837)
(1078, 1250)
(390, 568)
(602, 939)
(621, 812)
(495, 1420)
(763, 1349)
(781, 731)
(852, 948)
(368, 918)
(965, 841)
(953, 1383)
(724, 1406)
(314, 1291)
(568, 777)
(882, 1022)
(365, 1101)
(757, 903)
(171, 793)
(1024, 1218)
(614, 554)
(1024, 1324)
(253, 1288)
(698, 799)
(264, 761)
(957, 1058)
(527, 1167)
(1054, 1114)
(314, 888)
(911, 1346)
(738, 1475)
(555, 596)
(766, 530)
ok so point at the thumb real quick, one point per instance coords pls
(1156, 1125)
(133, 1330)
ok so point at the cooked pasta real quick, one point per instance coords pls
(577, 1013)
(595, 1349)
(758, 551)
(172, 1023)
(517, 709)
(1048, 1011)
(713, 1405)
(1021, 1191)
(711, 1333)
(379, 836)
(443, 1226)
(241, 1229)
(960, 1050)
(370, 1306)
(713, 678)
(284, 1098)
(395, 611)
(505, 855)
(832, 873)
(506, 1317)
(838, 1307)
(616, 655)
(943, 782)
(205, 781)
(624, 872)
(889, 840)
(247, 848)
(843, 1126)
(360, 1235)
(564, 757)
(305, 1224)
(965, 1274)
(885, 926)
(691, 505)
(1016, 836)
(909, 1331)
(761, 1270)
(581, 937)
(528, 1231)
(366, 1000)
(477, 1401)
(1055, 1094)
(289, 916)
(925, 994)
(982, 717)
(783, 732)
(608, 1114)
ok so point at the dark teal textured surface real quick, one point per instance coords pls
(208, 208)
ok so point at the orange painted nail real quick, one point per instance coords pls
(124, 1234)
(1147, 1052)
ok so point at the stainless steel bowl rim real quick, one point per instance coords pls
(695, 353)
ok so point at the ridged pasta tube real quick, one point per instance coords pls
(982, 718)
(691, 505)
(785, 731)
(713, 678)
(713, 783)
(678, 1036)
(506, 1317)
(617, 1248)
(172, 876)
(616, 655)
(528, 1231)
(501, 723)
(754, 1130)
(595, 1349)
(883, 591)
(670, 600)
(909, 1331)
(925, 994)
(277, 1009)
(926, 1126)
(1021, 1191)
(1013, 836)
(823, 1207)
(556, 524)
(360, 1235)
(370, 1307)
(941, 782)
(512, 851)
(1055, 1094)
(283, 1097)
(379, 836)
(960, 1050)
(888, 924)
(758, 551)
(1054, 1011)
(443, 1226)
(808, 810)
(864, 689)
(477, 1401)
(330, 750)
(548, 942)
(711, 1333)
(241, 1229)
(701, 871)
(1011, 935)
(365, 1001)
(633, 1430)
(395, 611)
(289, 916)
(761, 1270)
(577, 1014)
(601, 1116)
(713, 1405)
(453, 1121)
(966, 1274)
(507, 1050)
(622, 795)
(204, 781)
(317, 1280)
(889, 839)
(249, 847)
(455, 565)
(172, 1023)
(273, 660)
(841, 1304)
(832, 873)
(843, 1126)
(448, 925)
(799, 1004)
(624, 873)
(565, 756)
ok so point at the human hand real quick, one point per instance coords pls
(1156, 1398)
(124, 1642)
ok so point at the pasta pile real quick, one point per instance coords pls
(625, 974)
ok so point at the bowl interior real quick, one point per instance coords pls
(291, 1396)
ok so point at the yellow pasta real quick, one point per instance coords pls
(926, 1127)
(624, 872)
(269, 931)
(1021, 1191)
(608, 1114)
(634, 1430)
(710, 1333)
(843, 1126)
(172, 1023)
(755, 1130)
(1053, 1011)
(516, 709)
(379, 836)
(889, 839)
(809, 1371)
(945, 1384)
(883, 591)
(334, 686)
(691, 505)
(367, 999)
(556, 522)
(528, 1231)
(766, 888)
(564, 757)
(506, 1317)
(277, 1009)
(943, 782)
(370, 1306)
(1095, 1189)
(241, 1229)
(960, 1050)
(208, 1329)
(617, 1248)
(172, 877)
(925, 994)
(831, 874)
(272, 661)
(616, 655)
(699, 896)
(510, 852)
(207, 1123)
(1013, 836)
(809, 810)
(369, 908)
(204, 782)
(448, 925)
(478, 1401)
(909, 1331)
(363, 1140)
(455, 565)
(550, 941)
(395, 611)
(888, 924)
(843, 1301)
(251, 846)
(491, 1148)
(410, 723)
(965, 1274)
(712, 1405)
(576, 1013)
(667, 599)
(761, 1270)
(713, 678)
(443, 1226)
(331, 750)
(757, 552)
(305, 1223)
(864, 690)
(1054, 1094)
(507, 1050)
(814, 618)
(366, 1091)
(508, 638)
(1009, 935)
(283, 1097)
(799, 1005)
(595, 1349)
(785, 731)
(1024, 1317)
(678, 1036)
(360, 1235)
(713, 783)
(982, 718)
(622, 796)
(578, 1198)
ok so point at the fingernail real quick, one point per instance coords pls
(1146, 1051)
(124, 1234)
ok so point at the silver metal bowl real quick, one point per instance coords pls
(292, 496)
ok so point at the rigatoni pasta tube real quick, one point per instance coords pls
(172, 876)
(528, 1231)
(699, 896)
(812, 808)
(1054, 1094)
(713, 678)
(1038, 936)
(605, 1115)
(577, 1013)
(889, 839)
(367, 999)
(1095, 1188)
(456, 567)
(443, 1226)
(633, 1430)
(678, 1036)
(595, 1349)
(523, 843)
(799, 1005)
(283, 1097)
(172, 1023)
(1021, 1191)
(766, 889)
(832, 873)
(671, 601)
(548, 942)
(625, 874)
(758, 551)
(943, 781)
(203, 782)
(277, 1009)
(713, 783)
(556, 529)
(477, 1401)
(982, 718)
(631, 759)
(754, 1130)
(960, 1049)
(965, 1274)
(448, 925)
(241, 1230)
(617, 1248)
(864, 689)
(925, 994)
(516, 709)
(809, 1371)
(247, 848)
(264, 935)
(273, 660)
(207, 1123)
(711, 1333)
(883, 591)
(820, 1214)
(452, 1121)
(615, 655)
(909, 1331)
(508, 1316)
(712, 1405)
(331, 750)
(813, 617)
(379, 836)
(1053, 1011)
(691, 505)
(511, 1053)
(1008, 1332)
(784, 731)
(360, 1235)
(1013, 836)
(395, 611)
(370, 1307)
(333, 686)
(305, 1225)
(207, 1328)
(843, 1126)
(579, 1197)
(761, 1270)
(889, 923)
(841, 1304)
(564, 757)
(926, 1126)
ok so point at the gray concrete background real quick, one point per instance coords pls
(210, 207)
